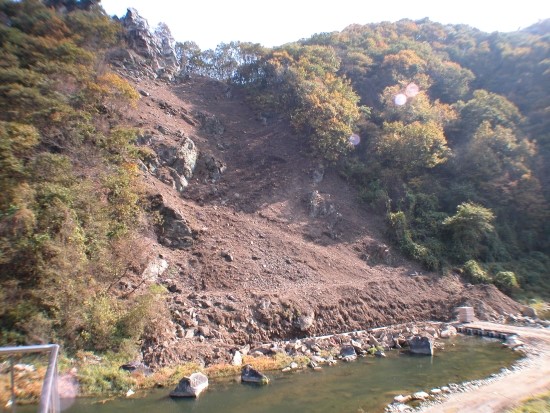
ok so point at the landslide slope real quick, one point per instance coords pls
(279, 246)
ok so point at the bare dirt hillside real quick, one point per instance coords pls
(278, 245)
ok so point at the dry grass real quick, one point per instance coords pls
(103, 377)
(28, 385)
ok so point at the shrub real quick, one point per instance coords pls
(506, 281)
(475, 273)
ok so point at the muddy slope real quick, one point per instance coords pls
(273, 244)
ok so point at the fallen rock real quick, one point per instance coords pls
(449, 331)
(191, 386)
(421, 345)
(305, 321)
(380, 353)
(347, 353)
(402, 399)
(237, 359)
(420, 395)
(251, 375)
(529, 312)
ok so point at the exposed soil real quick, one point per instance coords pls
(261, 259)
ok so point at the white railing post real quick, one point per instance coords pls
(49, 397)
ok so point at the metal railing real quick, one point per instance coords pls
(49, 396)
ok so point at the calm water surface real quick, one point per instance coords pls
(365, 385)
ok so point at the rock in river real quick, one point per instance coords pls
(250, 375)
(422, 345)
(190, 386)
(347, 353)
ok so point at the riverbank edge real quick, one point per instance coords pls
(480, 394)
(85, 374)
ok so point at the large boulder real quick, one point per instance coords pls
(251, 375)
(347, 353)
(527, 311)
(155, 268)
(191, 386)
(421, 345)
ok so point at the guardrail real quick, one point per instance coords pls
(49, 397)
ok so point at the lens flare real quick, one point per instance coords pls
(67, 385)
(412, 90)
(400, 99)
(354, 139)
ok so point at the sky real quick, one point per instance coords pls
(276, 22)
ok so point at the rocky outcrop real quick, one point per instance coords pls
(319, 205)
(173, 165)
(182, 158)
(376, 253)
(150, 53)
(210, 167)
(211, 124)
(305, 321)
(174, 231)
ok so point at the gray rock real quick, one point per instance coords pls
(348, 353)
(319, 205)
(174, 232)
(421, 345)
(420, 395)
(227, 256)
(357, 346)
(191, 386)
(251, 375)
(211, 167)
(205, 331)
(447, 332)
(179, 183)
(529, 312)
(155, 269)
(305, 321)
(318, 174)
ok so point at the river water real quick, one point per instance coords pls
(366, 385)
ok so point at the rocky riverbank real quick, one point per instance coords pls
(501, 391)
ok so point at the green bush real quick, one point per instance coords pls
(475, 273)
(506, 281)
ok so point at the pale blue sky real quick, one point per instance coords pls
(276, 22)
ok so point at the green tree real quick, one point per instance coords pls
(411, 148)
(468, 228)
